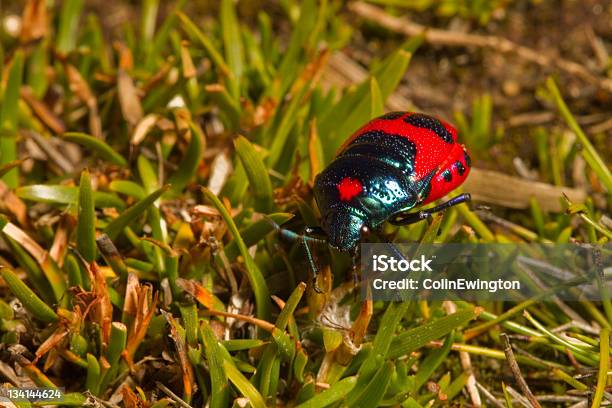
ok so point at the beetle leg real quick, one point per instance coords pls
(313, 265)
(405, 217)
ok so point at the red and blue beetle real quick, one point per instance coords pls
(393, 164)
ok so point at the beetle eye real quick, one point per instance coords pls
(365, 231)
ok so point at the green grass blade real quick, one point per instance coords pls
(586, 354)
(604, 365)
(115, 227)
(28, 298)
(281, 135)
(48, 266)
(580, 386)
(282, 347)
(148, 176)
(290, 306)
(9, 110)
(196, 34)
(219, 386)
(37, 69)
(483, 108)
(35, 275)
(116, 346)
(259, 180)
(55, 194)
(189, 313)
(371, 395)
(472, 219)
(260, 288)
(357, 106)
(589, 152)
(93, 374)
(393, 315)
(68, 25)
(265, 374)
(378, 105)
(161, 37)
(411, 403)
(243, 385)
(432, 362)
(72, 399)
(97, 146)
(301, 91)
(128, 188)
(254, 55)
(49, 194)
(8, 119)
(507, 396)
(415, 338)
(232, 43)
(255, 232)
(189, 163)
(333, 394)
(73, 271)
(148, 19)
(147, 173)
(294, 54)
(242, 344)
(86, 220)
(229, 106)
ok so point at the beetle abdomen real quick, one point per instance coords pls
(451, 174)
(424, 147)
(432, 138)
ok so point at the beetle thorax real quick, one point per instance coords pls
(353, 192)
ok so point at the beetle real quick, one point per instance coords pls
(391, 165)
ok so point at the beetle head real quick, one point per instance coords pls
(343, 228)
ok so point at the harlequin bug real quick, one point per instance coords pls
(391, 165)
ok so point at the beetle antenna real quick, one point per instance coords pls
(304, 239)
(410, 218)
(294, 236)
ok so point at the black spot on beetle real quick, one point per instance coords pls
(448, 176)
(392, 115)
(467, 158)
(460, 168)
(429, 122)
